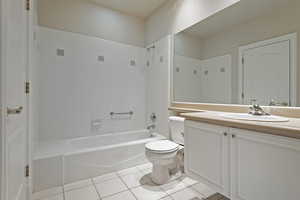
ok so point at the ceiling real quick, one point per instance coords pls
(239, 13)
(139, 8)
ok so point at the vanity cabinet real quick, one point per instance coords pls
(207, 154)
(241, 164)
(264, 166)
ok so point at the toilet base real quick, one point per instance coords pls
(160, 174)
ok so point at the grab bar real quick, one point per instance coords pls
(121, 113)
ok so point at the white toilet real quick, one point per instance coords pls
(164, 153)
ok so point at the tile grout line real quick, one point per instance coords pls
(118, 176)
(127, 186)
(95, 187)
(64, 195)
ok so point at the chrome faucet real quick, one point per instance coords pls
(255, 109)
(151, 127)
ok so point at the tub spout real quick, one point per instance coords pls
(151, 127)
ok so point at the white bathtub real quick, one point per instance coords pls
(62, 162)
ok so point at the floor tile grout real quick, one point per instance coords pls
(95, 187)
(136, 170)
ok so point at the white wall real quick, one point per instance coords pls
(187, 45)
(76, 88)
(158, 84)
(86, 17)
(261, 28)
(177, 15)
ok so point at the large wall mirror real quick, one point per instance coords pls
(244, 54)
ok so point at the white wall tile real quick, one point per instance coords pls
(77, 88)
(158, 84)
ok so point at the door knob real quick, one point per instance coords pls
(14, 111)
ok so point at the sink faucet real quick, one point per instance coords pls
(255, 109)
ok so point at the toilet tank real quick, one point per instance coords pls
(176, 127)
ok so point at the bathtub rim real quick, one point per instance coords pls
(73, 151)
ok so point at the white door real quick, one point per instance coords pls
(264, 167)
(266, 73)
(206, 155)
(14, 56)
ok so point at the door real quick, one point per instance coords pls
(13, 78)
(264, 166)
(206, 155)
(267, 64)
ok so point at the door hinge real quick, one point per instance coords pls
(243, 60)
(27, 87)
(27, 171)
(27, 5)
(243, 95)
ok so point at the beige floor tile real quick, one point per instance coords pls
(110, 187)
(127, 195)
(173, 186)
(48, 193)
(131, 170)
(203, 189)
(187, 194)
(55, 197)
(187, 180)
(134, 180)
(86, 193)
(105, 177)
(146, 192)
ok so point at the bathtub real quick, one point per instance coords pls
(61, 162)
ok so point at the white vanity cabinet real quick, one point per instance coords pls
(241, 164)
(207, 154)
(264, 167)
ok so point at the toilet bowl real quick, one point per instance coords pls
(163, 153)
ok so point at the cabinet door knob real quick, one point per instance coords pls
(225, 134)
(233, 136)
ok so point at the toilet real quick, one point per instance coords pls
(164, 154)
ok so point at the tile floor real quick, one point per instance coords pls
(130, 184)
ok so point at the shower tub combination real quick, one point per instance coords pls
(61, 162)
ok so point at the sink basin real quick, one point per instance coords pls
(249, 117)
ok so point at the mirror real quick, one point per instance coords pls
(244, 54)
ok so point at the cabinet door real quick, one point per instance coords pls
(206, 155)
(264, 167)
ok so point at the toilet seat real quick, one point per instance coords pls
(162, 146)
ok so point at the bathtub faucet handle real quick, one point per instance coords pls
(153, 117)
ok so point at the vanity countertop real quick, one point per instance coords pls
(287, 129)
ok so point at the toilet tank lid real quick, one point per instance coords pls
(176, 118)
